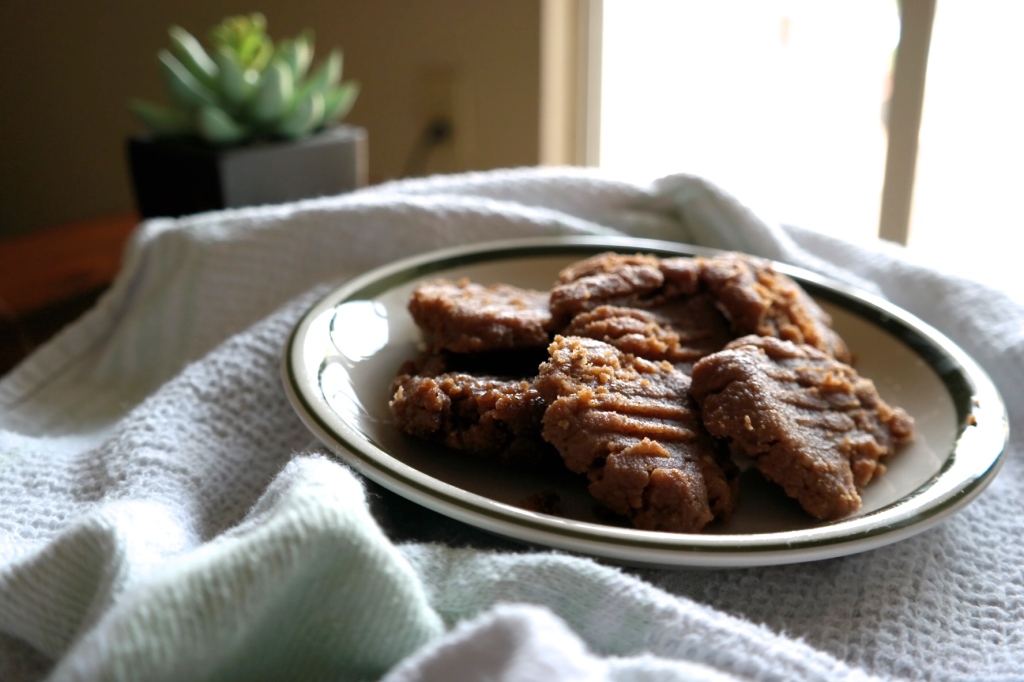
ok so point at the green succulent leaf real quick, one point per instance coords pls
(304, 53)
(192, 56)
(339, 101)
(275, 94)
(160, 120)
(297, 54)
(246, 37)
(256, 52)
(242, 86)
(232, 31)
(325, 76)
(215, 126)
(237, 85)
(185, 89)
(306, 116)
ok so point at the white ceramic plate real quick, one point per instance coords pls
(345, 351)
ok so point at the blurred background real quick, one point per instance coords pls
(860, 118)
(70, 67)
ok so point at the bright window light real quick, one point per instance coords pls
(783, 104)
(970, 167)
(780, 102)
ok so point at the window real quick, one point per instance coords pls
(970, 167)
(789, 105)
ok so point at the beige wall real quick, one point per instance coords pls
(67, 68)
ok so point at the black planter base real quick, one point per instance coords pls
(181, 177)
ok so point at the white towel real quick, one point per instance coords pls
(164, 515)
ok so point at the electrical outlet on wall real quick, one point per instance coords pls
(447, 121)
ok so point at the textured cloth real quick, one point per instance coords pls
(164, 514)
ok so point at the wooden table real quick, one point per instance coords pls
(51, 276)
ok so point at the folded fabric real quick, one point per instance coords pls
(165, 515)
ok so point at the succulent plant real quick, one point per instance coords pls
(245, 87)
